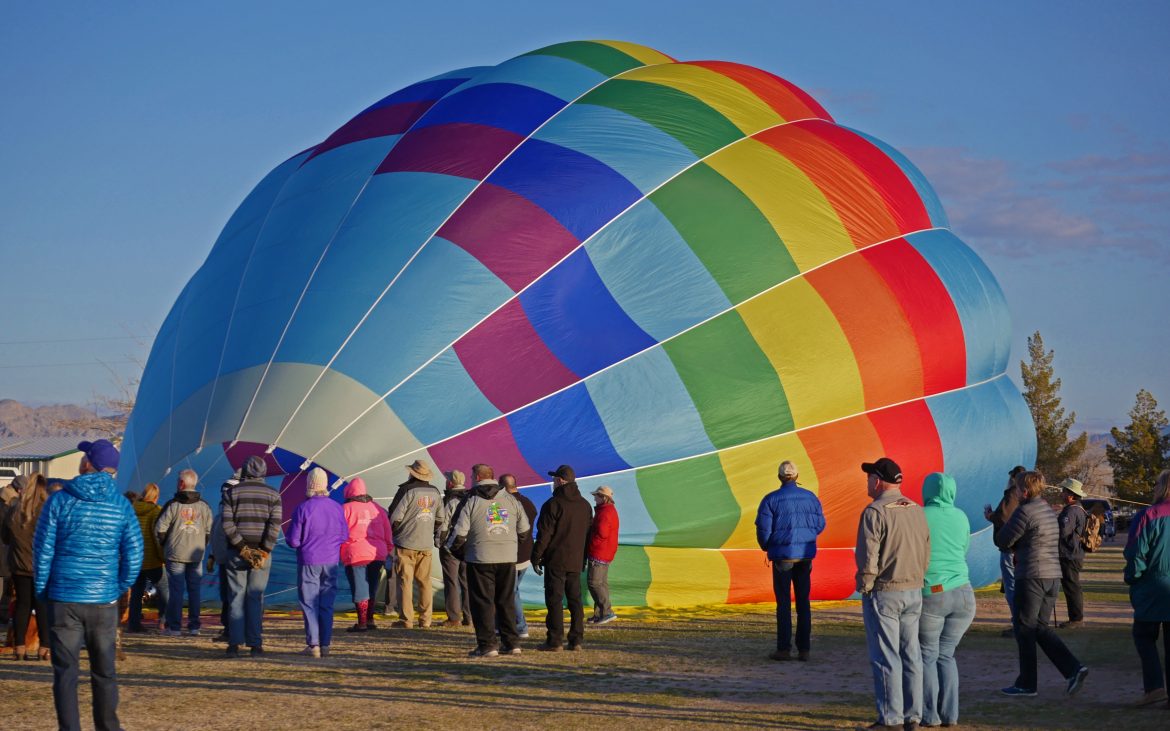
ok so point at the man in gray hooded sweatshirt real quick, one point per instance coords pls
(488, 530)
(183, 529)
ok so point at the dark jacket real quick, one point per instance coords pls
(524, 552)
(88, 544)
(1007, 505)
(251, 515)
(1033, 533)
(1073, 521)
(788, 522)
(562, 529)
(19, 537)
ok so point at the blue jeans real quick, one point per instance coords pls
(95, 625)
(945, 618)
(316, 591)
(1007, 572)
(786, 576)
(138, 591)
(246, 587)
(891, 632)
(363, 580)
(521, 621)
(190, 575)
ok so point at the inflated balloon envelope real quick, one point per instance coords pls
(670, 275)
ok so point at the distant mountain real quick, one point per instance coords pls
(18, 420)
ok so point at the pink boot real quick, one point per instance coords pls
(363, 617)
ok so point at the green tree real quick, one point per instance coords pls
(1055, 452)
(1142, 450)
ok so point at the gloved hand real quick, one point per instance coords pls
(254, 556)
(538, 569)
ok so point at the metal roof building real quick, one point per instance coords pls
(51, 456)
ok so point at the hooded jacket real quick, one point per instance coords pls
(524, 552)
(1147, 563)
(788, 522)
(893, 544)
(562, 529)
(490, 526)
(184, 527)
(417, 516)
(317, 530)
(88, 543)
(1033, 533)
(147, 513)
(19, 537)
(950, 535)
(370, 538)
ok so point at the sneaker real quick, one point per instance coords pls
(310, 651)
(1157, 695)
(607, 618)
(453, 623)
(193, 633)
(1076, 624)
(593, 620)
(780, 655)
(511, 651)
(324, 650)
(232, 651)
(257, 651)
(1077, 680)
(401, 624)
(1019, 692)
(523, 635)
(481, 652)
(358, 628)
(545, 647)
(172, 633)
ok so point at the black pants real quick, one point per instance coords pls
(1070, 584)
(456, 597)
(25, 602)
(95, 626)
(1035, 600)
(563, 587)
(492, 587)
(787, 575)
(1145, 639)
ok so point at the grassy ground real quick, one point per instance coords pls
(651, 669)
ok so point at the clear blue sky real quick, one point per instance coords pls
(132, 131)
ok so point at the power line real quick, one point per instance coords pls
(76, 340)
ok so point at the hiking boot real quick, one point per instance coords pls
(482, 652)
(1077, 680)
(549, 648)
(574, 647)
(1076, 624)
(310, 651)
(1017, 692)
(232, 651)
(401, 624)
(780, 655)
(1157, 695)
(358, 628)
(453, 623)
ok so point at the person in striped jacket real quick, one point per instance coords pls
(251, 524)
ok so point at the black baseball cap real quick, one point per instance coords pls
(565, 472)
(1018, 469)
(885, 468)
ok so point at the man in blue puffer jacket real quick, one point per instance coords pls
(88, 550)
(787, 525)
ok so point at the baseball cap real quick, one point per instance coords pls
(102, 454)
(565, 472)
(885, 468)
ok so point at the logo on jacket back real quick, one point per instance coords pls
(497, 519)
(188, 519)
(426, 507)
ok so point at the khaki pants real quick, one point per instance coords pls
(411, 565)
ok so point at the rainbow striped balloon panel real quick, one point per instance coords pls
(670, 275)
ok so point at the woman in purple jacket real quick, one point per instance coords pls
(317, 531)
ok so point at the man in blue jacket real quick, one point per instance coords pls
(88, 549)
(787, 525)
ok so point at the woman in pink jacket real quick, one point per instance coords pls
(370, 541)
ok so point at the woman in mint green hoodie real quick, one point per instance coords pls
(948, 603)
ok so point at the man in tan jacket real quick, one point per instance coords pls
(893, 551)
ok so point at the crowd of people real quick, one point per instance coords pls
(916, 595)
(77, 552)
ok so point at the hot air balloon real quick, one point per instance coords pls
(671, 275)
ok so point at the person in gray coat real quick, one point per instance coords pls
(183, 529)
(488, 531)
(417, 520)
(1033, 533)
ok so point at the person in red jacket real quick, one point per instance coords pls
(370, 541)
(602, 547)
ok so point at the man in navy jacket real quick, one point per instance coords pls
(787, 525)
